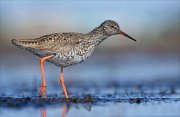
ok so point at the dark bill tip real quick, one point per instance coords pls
(126, 35)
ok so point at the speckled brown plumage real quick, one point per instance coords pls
(69, 48)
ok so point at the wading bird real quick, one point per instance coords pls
(67, 49)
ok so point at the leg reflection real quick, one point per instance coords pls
(43, 111)
(64, 111)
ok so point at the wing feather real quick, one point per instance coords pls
(58, 42)
(48, 44)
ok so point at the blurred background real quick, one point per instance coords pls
(120, 70)
(154, 57)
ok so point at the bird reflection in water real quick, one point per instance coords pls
(66, 109)
(43, 111)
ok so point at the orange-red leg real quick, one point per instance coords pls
(43, 85)
(62, 83)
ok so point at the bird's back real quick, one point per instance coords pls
(53, 42)
(56, 42)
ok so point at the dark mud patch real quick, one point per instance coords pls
(39, 101)
(35, 101)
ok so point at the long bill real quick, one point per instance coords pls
(126, 35)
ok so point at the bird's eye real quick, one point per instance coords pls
(112, 26)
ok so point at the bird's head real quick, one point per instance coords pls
(111, 27)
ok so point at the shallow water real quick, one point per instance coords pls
(104, 110)
(126, 85)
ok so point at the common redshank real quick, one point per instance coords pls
(67, 49)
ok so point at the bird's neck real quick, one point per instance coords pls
(97, 35)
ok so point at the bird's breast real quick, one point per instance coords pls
(76, 55)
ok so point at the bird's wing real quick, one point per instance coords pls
(56, 43)
(59, 42)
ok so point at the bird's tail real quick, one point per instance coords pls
(14, 42)
(23, 43)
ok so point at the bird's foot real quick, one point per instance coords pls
(42, 90)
